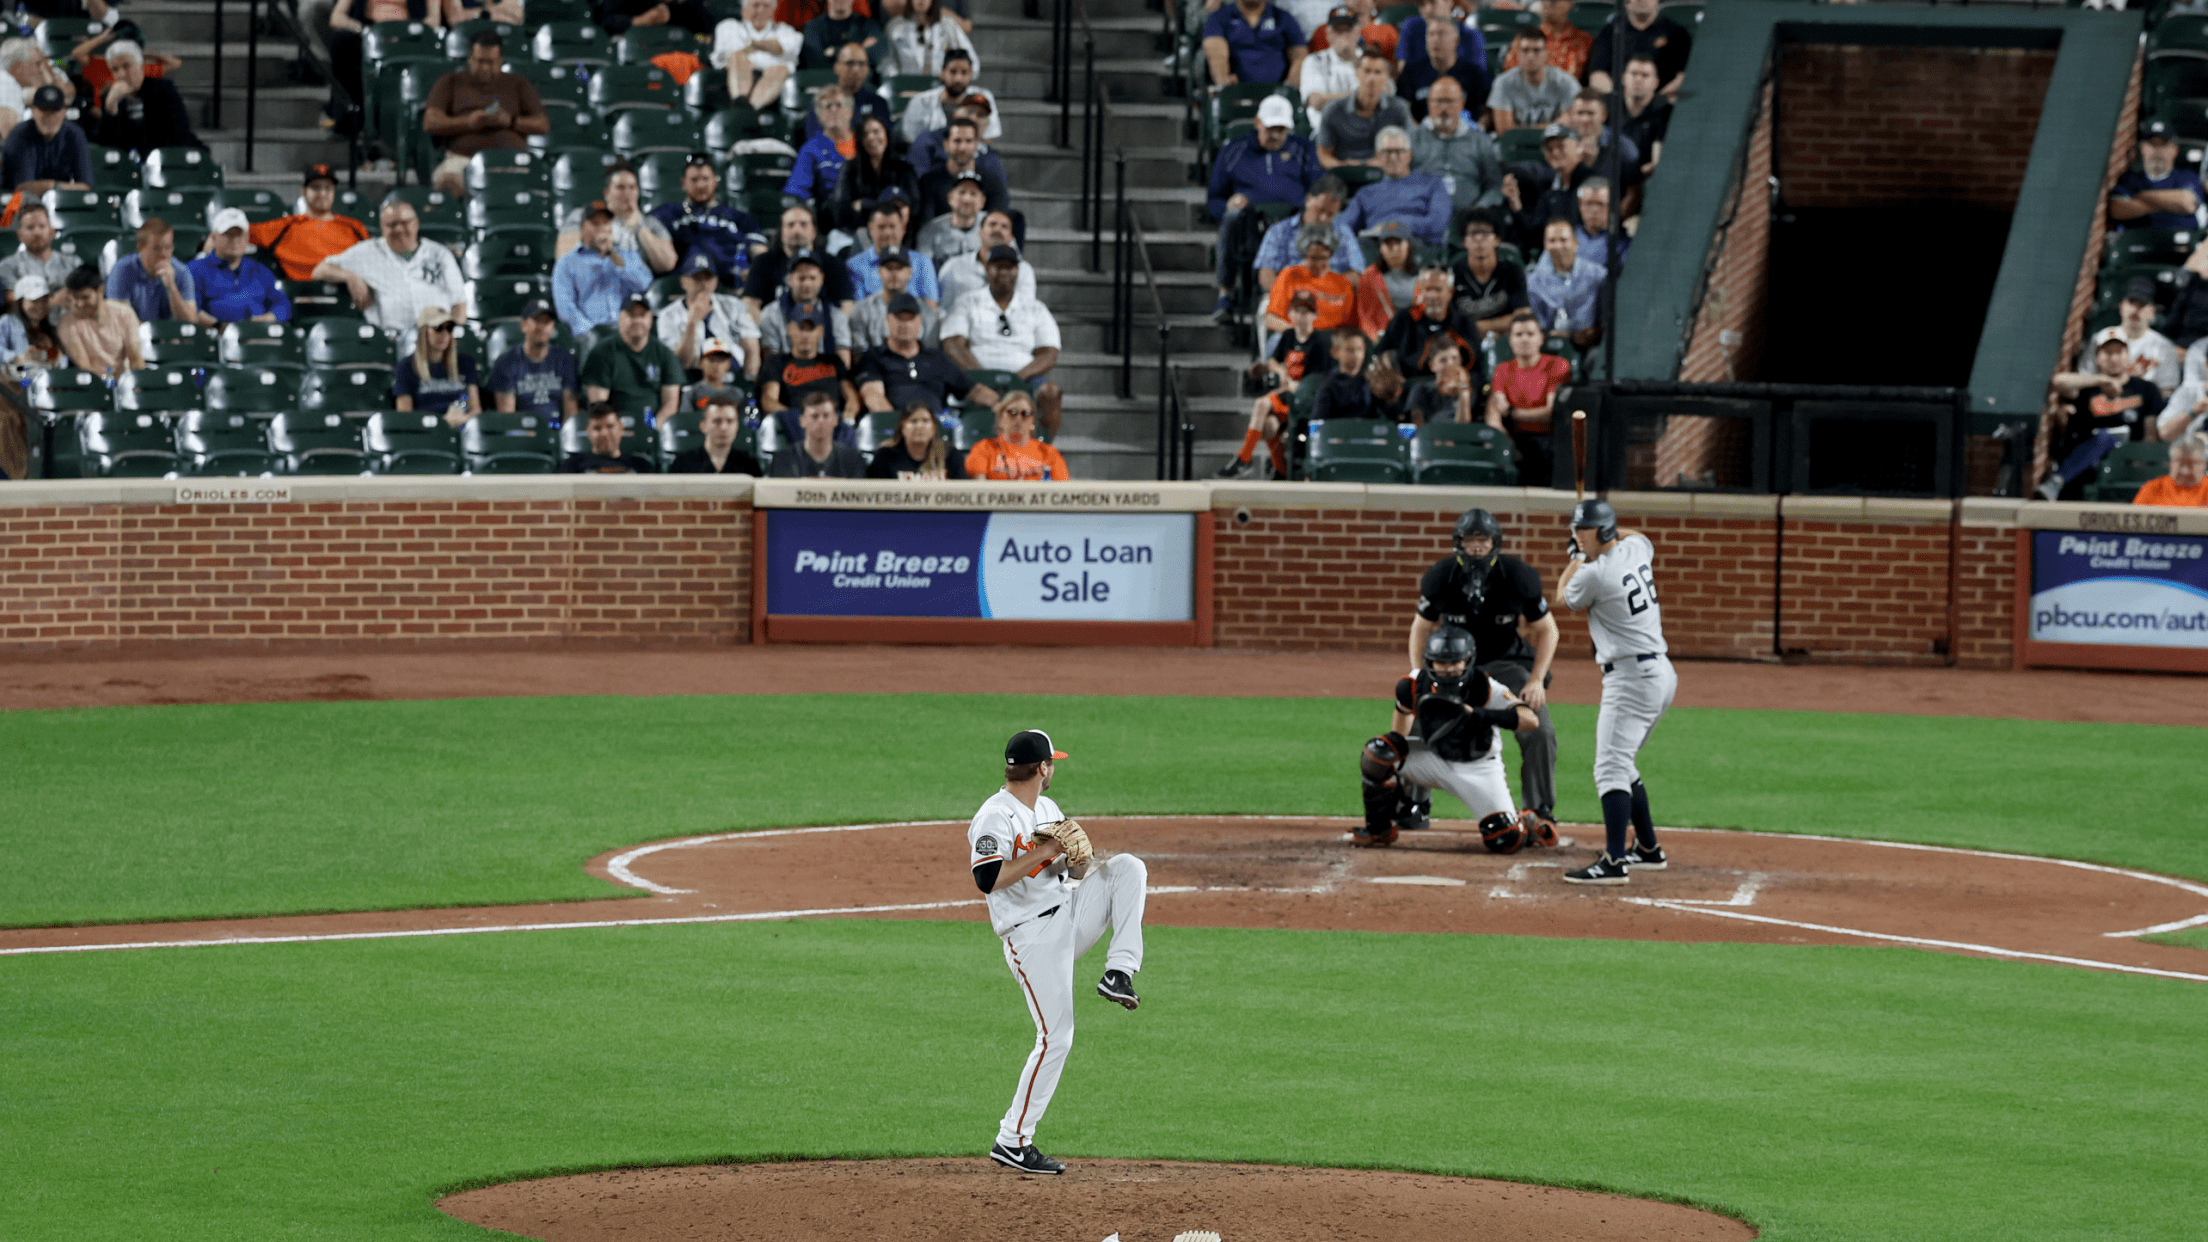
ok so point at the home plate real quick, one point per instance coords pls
(1439, 881)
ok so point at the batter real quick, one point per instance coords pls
(1612, 578)
(1445, 736)
(1050, 900)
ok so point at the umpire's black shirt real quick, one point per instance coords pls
(1489, 603)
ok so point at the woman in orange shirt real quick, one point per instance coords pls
(1335, 293)
(1014, 454)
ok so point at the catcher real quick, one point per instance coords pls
(1050, 899)
(1445, 737)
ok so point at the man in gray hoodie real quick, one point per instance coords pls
(1463, 156)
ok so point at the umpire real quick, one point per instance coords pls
(1498, 598)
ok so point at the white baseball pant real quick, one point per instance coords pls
(1042, 953)
(1635, 695)
(1479, 783)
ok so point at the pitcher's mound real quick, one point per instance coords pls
(1142, 1201)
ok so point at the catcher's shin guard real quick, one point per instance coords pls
(1383, 791)
(1503, 833)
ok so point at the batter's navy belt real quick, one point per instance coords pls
(1639, 659)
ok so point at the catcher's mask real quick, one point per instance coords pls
(1449, 645)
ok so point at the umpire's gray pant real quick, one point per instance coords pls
(1536, 746)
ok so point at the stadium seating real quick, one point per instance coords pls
(347, 343)
(640, 130)
(1462, 455)
(257, 204)
(2125, 470)
(251, 390)
(411, 443)
(497, 169)
(181, 168)
(639, 44)
(318, 443)
(495, 443)
(224, 442)
(356, 391)
(1356, 450)
(572, 43)
(135, 445)
(458, 38)
(273, 346)
(159, 389)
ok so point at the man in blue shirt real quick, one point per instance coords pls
(590, 282)
(231, 287)
(2157, 194)
(1564, 289)
(151, 280)
(1268, 165)
(1253, 41)
(1322, 206)
(536, 376)
(886, 228)
(702, 221)
(1420, 201)
(819, 160)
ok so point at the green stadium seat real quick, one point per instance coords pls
(809, 83)
(2113, 280)
(1238, 102)
(258, 205)
(390, 40)
(317, 299)
(2180, 32)
(659, 176)
(505, 207)
(560, 87)
(761, 169)
(515, 250)
(875, 427)
(498, 169)
(639, 44)
(2153, 246)
(680, 432)
(87, 244)
(568, 129)
(67, 390)
(165, 330)
(359, 390)
(461, 35)
(2187, 118)
(167, 388)
(1463, 454)
(1500, 26)
(335, 343)
(640, 130)
(57, 35)
(2168, 78)
(217, 443)
(114, 170)
(1356, 450)
(198, 351)
(396, 95)
(82, 208)
(1589, 15)
(495, 443)
(617, 88)
(1519, 146)
(572, 43)
(904, 87)
(179, 168)
(251, 390)
(573, 11)
(2126, 469)
(277, 346)
(433, 206)
(135, 446)
(412, 443)
(180, 208)
(503, 297)
(320, 443)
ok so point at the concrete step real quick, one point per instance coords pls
(1191, 334)
(1202, 374)
(1000, 43)
(1166, 208)
(1089, 294)
(1146, 125)
(1133, 77)
(1186, 250)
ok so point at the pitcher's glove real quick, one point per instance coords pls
(1071, 837)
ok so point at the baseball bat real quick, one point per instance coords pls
(1579, 454)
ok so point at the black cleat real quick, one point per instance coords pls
(1025, 1159)
(1116, 986)
(1645, 857)
(1604, 870)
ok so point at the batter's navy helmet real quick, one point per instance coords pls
(1598, 514)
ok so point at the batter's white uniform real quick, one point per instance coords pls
(1617, 591)
(1047, 921)
(1479, 782)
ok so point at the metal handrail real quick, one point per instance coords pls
(286, 13)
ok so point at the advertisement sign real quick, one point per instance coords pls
(1028, 566)
(2117, 589)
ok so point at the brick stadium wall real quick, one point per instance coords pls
(518, 569)
(1734, 298)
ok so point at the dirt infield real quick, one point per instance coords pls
(1139, 1201)
(96, 680)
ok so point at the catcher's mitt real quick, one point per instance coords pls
(1069, 834)
(1540, 832)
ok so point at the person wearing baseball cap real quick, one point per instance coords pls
(633, 368)
(1270, 164)
(1001, 328)
(49, 153)
(893, 267)
(2158, 194)
(700, 220)
(300, 241)
(1300, 351)
(885, 229)
(536, 376)
(1330, 71)
(805, 288)
(704, 313)
(438, 377)
(590, 282)
(806, 368)
(232, 287)
(716, 368)
(902, 370)
(27, 340)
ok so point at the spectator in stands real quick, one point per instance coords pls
(1330, 73)
(1299, 351)
(1489, 289)
(757, 53)
(1587, 117)
(918, 449)
(98, 75)
(1539, 193)
(1371, 31)
(604, 456)
(1252, 41)
(877, 174)
(933, 109)
(716, 378)
(590, 282)
(99, 333)
(1564, 289)
(1647, 113)
(230, 287)
(885, 227)
(923, 36)
(138, 112)
(1000, 328)
(1521, 398)
(801, 294)
(2186, 485)
(394, 276)
(151, 279)
(961, 154)
(926, 154)
(817, 452)
(349, 22)
(1446, 390)
(704, 314)
(1411, 47)
(718, 454)
(47, 152)
(2157, 194)
(1344, 393)
(438, 377)
(1594, 224)
(903, 370)
(632, 229)
(1350, 126)
(853, 70)
(26, 69)
(1322, 206)
(632, 368)
(35, 255)
(1568, 45)
(27, 341)
(536, 376)
(616, 17)
(967, 273)
(2185, 322)
(480, 108)
(1417, 80)
(1432, 313)
(1333, 294)
(1419, 202)
(1389, 284)
(1462, 155)
(2109, 405)
(1534, 93)
(1014, 454)
(820, 160)
(770, 271)
(870, 318)
(806, 367)
(506, 11)
(2153, 356)
(702, 220)
(1269, 165)
(827, 33)
(957, 231)
(1647, 33)
(300, 242)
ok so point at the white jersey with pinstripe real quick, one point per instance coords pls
(1617, 591)
(1003, 830)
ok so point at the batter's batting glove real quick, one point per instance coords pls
(1571, 548)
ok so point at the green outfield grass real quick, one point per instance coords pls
(191, 812)
(332, 1090)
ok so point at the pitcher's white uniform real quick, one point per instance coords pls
(1047, 921)
(1617, 591)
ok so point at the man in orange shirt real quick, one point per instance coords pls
(2183, 486)
(1569, 46)
(1336, 293)
(300, 243)
(1014, 454)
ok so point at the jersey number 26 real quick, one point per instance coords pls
(1640, 590)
